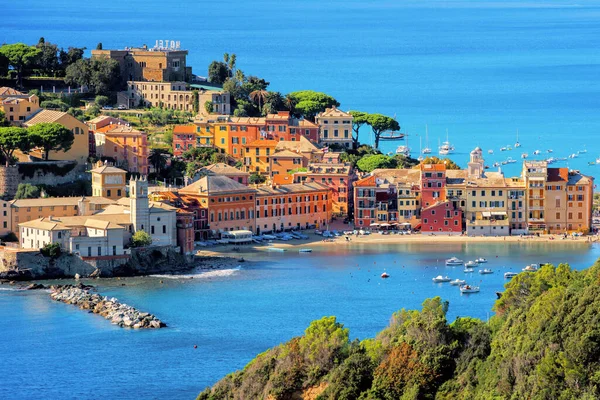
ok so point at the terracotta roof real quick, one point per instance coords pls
(221, 169)
(99, 118)
(287, 154)
(263, 143)
(307, 124)
(45, 224)
(215, 184)
(247, 121)
(367, 181)
(303, 145)
(282, 179)
(281, 115)
(433, 167)
(576, 178)
(291, 188)
(108, 169)
(59, 201)
(334, 112)
(118, 128)
(558, 175)
(46, 116)
(185, 129)
(6, 91)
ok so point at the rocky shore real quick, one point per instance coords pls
(110, 308)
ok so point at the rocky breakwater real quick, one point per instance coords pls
(110, 308)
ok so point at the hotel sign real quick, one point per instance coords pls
(167, 45)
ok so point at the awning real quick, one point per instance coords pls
(486, 214)
(384, 224)
(374, 224)
(406, 224)
(498, 213)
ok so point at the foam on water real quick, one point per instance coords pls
(203, 275)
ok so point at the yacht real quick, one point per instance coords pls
(471, 264)
(441, 279)
(510, 160)
(305, 251)
(481, 260)
(446, 147)
(510, 275)
(517, 144)
(524, 155)
(502, 148)
(490, 151)
(598, 160)
(486, 271)
(549, 150)
(403, 150)
(496, 164)
(531, 268)
(582, 151)
(385, 275)
(573, 155)
(453, 261)
(458, 282)
(468, 270)
(469, 289)
(426, 150)
(536, 152)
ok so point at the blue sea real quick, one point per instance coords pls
(59, 351)
(480, 70)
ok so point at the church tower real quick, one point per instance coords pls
(475, 167)
(138, 204)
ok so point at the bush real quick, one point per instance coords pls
(10, 237)
(27, 191)
(54, 105)
(141, 239)
(101, 101)
(51, 250)
(256, 178)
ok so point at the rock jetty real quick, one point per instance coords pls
(110, 308)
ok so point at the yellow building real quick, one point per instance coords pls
(108, 181)
(17, 109)
(336, 127)
(535, 174)
(127, 146)
(80, 149)
(569, 197)
(257, 155)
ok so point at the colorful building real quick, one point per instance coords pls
(257, 155)
(184, 139)
(108, 181)
(18, 108)
(441, 218)
(335, 127)
(223, 169)
(124, 145)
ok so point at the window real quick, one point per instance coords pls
(164, 229)
(99, 250)
(114, 250)
(152, 229)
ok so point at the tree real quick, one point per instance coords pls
(11, 139)
(99, 46)
(379, 124)
(101, 100)
(47, 61)
(309, 103)
(259, 97)
(51, 250)
(252, 83)
(274, 102)
(257, 178)
(20, 56)
(376, 161)
(359, 119)
(289, 102)
(71, 56)
(51, 137)
(55, 104)
(141, 239)
(3, 120)
(208, 106)
(436, 160)
(101, 75)
(3, 65)
(218, 72)
(27, 191)
(158, 160)
(196, 100)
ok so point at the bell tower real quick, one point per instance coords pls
(138, 204)
(475, 167)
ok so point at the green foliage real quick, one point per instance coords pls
(309, 103)
(256, 178)
(141, 239)
(158, 159)
(11, 139)
(436, 160)
(51, 137)
(196, 100)
(375, 161)
(29, 170)
(379, 124)
(101, 101)
(54, 105)
(218, 72)
(51, 250)
(359, 119)
(3, 121)
(9, 237)
(208, 106)
(20, 56)
(27, 191)
(543, 343)
(102, 75)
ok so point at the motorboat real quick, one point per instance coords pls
(510, 275)
(504, 162)
(403, 150)
(598, 160)
(486, 271)
(453, 261)
(573, 155)
(458, 282)
(471, 264)
(446, 147)
(305, 251)
(490, 151)
(469, 289)
(536, 152)
(481, 260)
(441, 279)
(550, 151)
(468, 270)
(524, 155)
(581, 151)
(591, 162)
(503, 149)
(277, 249)
(385, 275)
(510, 160)
(496, 164)
(531, 268)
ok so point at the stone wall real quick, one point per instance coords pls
(49, 173)
(9, 180)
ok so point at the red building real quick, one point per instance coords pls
(282, 126)
(184, 138)
(185, 231)
(433, 184)
(441, 218)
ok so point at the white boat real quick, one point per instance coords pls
(420, 158)
(496, 164)
(510, 275)
(469, 289)
(305, 251)
(490, 151)
(453, 261)
(550, 151)
(426, 150)
(385, 275)
(598, 160)
(531, 268)
(504, 162)
(277, 249)
(517, 144)
(446, 147)
(582, 151)
(403, 150)
(468, 270)
(486, 271)
(524, 155)
(481, 260)
(536, 152)
(508, 148)
(573, 155)
(441, 279)
(458, 282)
(502, 148)
(510, 160)
(471, 264)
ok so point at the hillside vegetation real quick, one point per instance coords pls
(543, 343)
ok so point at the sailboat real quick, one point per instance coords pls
(420, 158)
(517, 144)
(446, 147)
(426, 150)
(404, 149)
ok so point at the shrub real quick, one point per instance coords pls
(51, 250)
(141, 239)
(27, 191)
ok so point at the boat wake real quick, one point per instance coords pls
(221, 273)
(11, 289)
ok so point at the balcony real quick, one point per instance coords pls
(537, 197)
(536, 208)
(536, 220)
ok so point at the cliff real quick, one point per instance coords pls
(543, 343)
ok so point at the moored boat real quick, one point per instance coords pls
(385, 275)
(453, 261)
(471, 264)
(441, 279)
(510, 275)
(277, 249)
(458, 282)
(305, 251)
(468, 270)
(469, 289)
(531, 268)
(481, 260)
(485, 271)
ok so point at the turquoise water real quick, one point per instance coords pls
(481, 69)
(232, 315)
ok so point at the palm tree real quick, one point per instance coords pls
(157, 159)
(289, 102)
(259, 96)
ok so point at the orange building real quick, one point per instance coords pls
(18, 108)
(184, 138)
(569, 201)
(185, 231)
(285, 162)
(257, 155)
(230, 204)
(293, 206)
(127, 146)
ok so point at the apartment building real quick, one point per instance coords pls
(19, 107)
(335, 127)
(124, 145)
